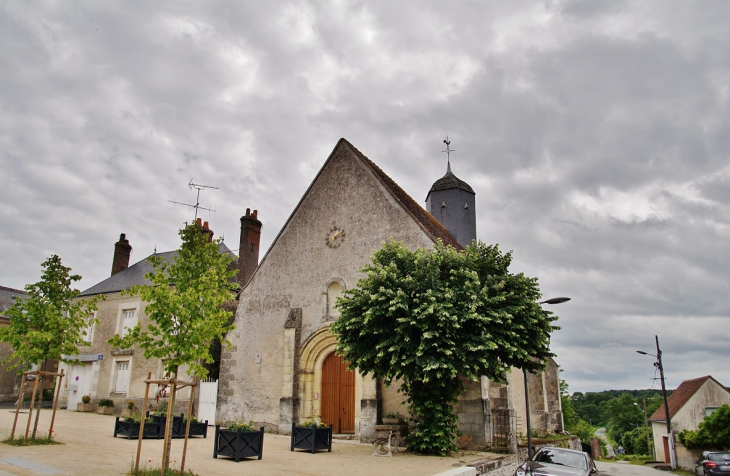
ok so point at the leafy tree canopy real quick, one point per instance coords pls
(712, 433)
(623, 416)
(184, 304)
(50, 323)
(426, 317)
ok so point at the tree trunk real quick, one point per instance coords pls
(168, 431)
(40, 401)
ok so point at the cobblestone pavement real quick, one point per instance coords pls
(90, 449)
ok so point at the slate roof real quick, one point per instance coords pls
(449, 181)
(134, 275)
(6, 298)
(427, 221)
(681, 396)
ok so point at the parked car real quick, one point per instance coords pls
(558, 462)
(714, 463)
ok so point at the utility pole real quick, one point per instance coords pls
(670, 437)
(672, 455)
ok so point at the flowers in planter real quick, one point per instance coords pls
(239, 425)
(131, 404)
(137, 419)
(86, 399)
(312, 424)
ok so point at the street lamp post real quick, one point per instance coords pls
(557, 300)
(658, 364)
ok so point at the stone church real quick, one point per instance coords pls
(281, 367)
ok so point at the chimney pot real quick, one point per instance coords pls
(122, 251)
(248, 249)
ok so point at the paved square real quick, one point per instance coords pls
(89, 448)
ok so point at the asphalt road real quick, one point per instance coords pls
(601, 433)
(626, 469)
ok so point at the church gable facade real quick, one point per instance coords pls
(281, 368)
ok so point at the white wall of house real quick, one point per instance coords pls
(709, 396)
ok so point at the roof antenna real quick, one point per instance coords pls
(448, 154)
(197, 206)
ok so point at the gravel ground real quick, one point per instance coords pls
(90, 449)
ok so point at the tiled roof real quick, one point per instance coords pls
(680, 396)
(6, 298)
(134, 275)
(432, 226)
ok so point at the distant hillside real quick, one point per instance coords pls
(591, 406)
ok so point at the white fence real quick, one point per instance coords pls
(208, 399)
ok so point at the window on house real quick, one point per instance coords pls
(129, 320)
(710, 410)
(122, 380)
(88, 331)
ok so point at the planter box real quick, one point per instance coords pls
(126, 412)
(197, 428)
(84, 407)
(130, 429)
(105, 410)
(391, 421)
(311, 439)
(238, 444)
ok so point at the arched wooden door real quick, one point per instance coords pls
(338, 395)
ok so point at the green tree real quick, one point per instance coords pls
(427, 317)
(712, 433)
(185, 308)
(51, 323)
(634, 441)
(583, 430)
(623, 416)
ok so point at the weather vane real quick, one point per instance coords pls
(197, 206)
(448, 153)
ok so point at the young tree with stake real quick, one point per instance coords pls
(184, 308)
(50, 324)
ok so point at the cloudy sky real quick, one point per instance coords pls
(596, 135)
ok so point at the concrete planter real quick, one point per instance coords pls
(391, 421)
(126, 412)
(84, 407)
(105, 410)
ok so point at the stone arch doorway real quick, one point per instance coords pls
(338, 395)
(318, 358)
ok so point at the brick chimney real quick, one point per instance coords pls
(206, 229)
(248, 251)
(122, 250)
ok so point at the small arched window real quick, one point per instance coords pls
(334, 290)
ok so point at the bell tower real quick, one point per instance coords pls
(452, 202)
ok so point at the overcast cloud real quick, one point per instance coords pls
(595, 134)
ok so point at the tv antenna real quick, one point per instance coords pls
(448, 153)
(197, 206)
